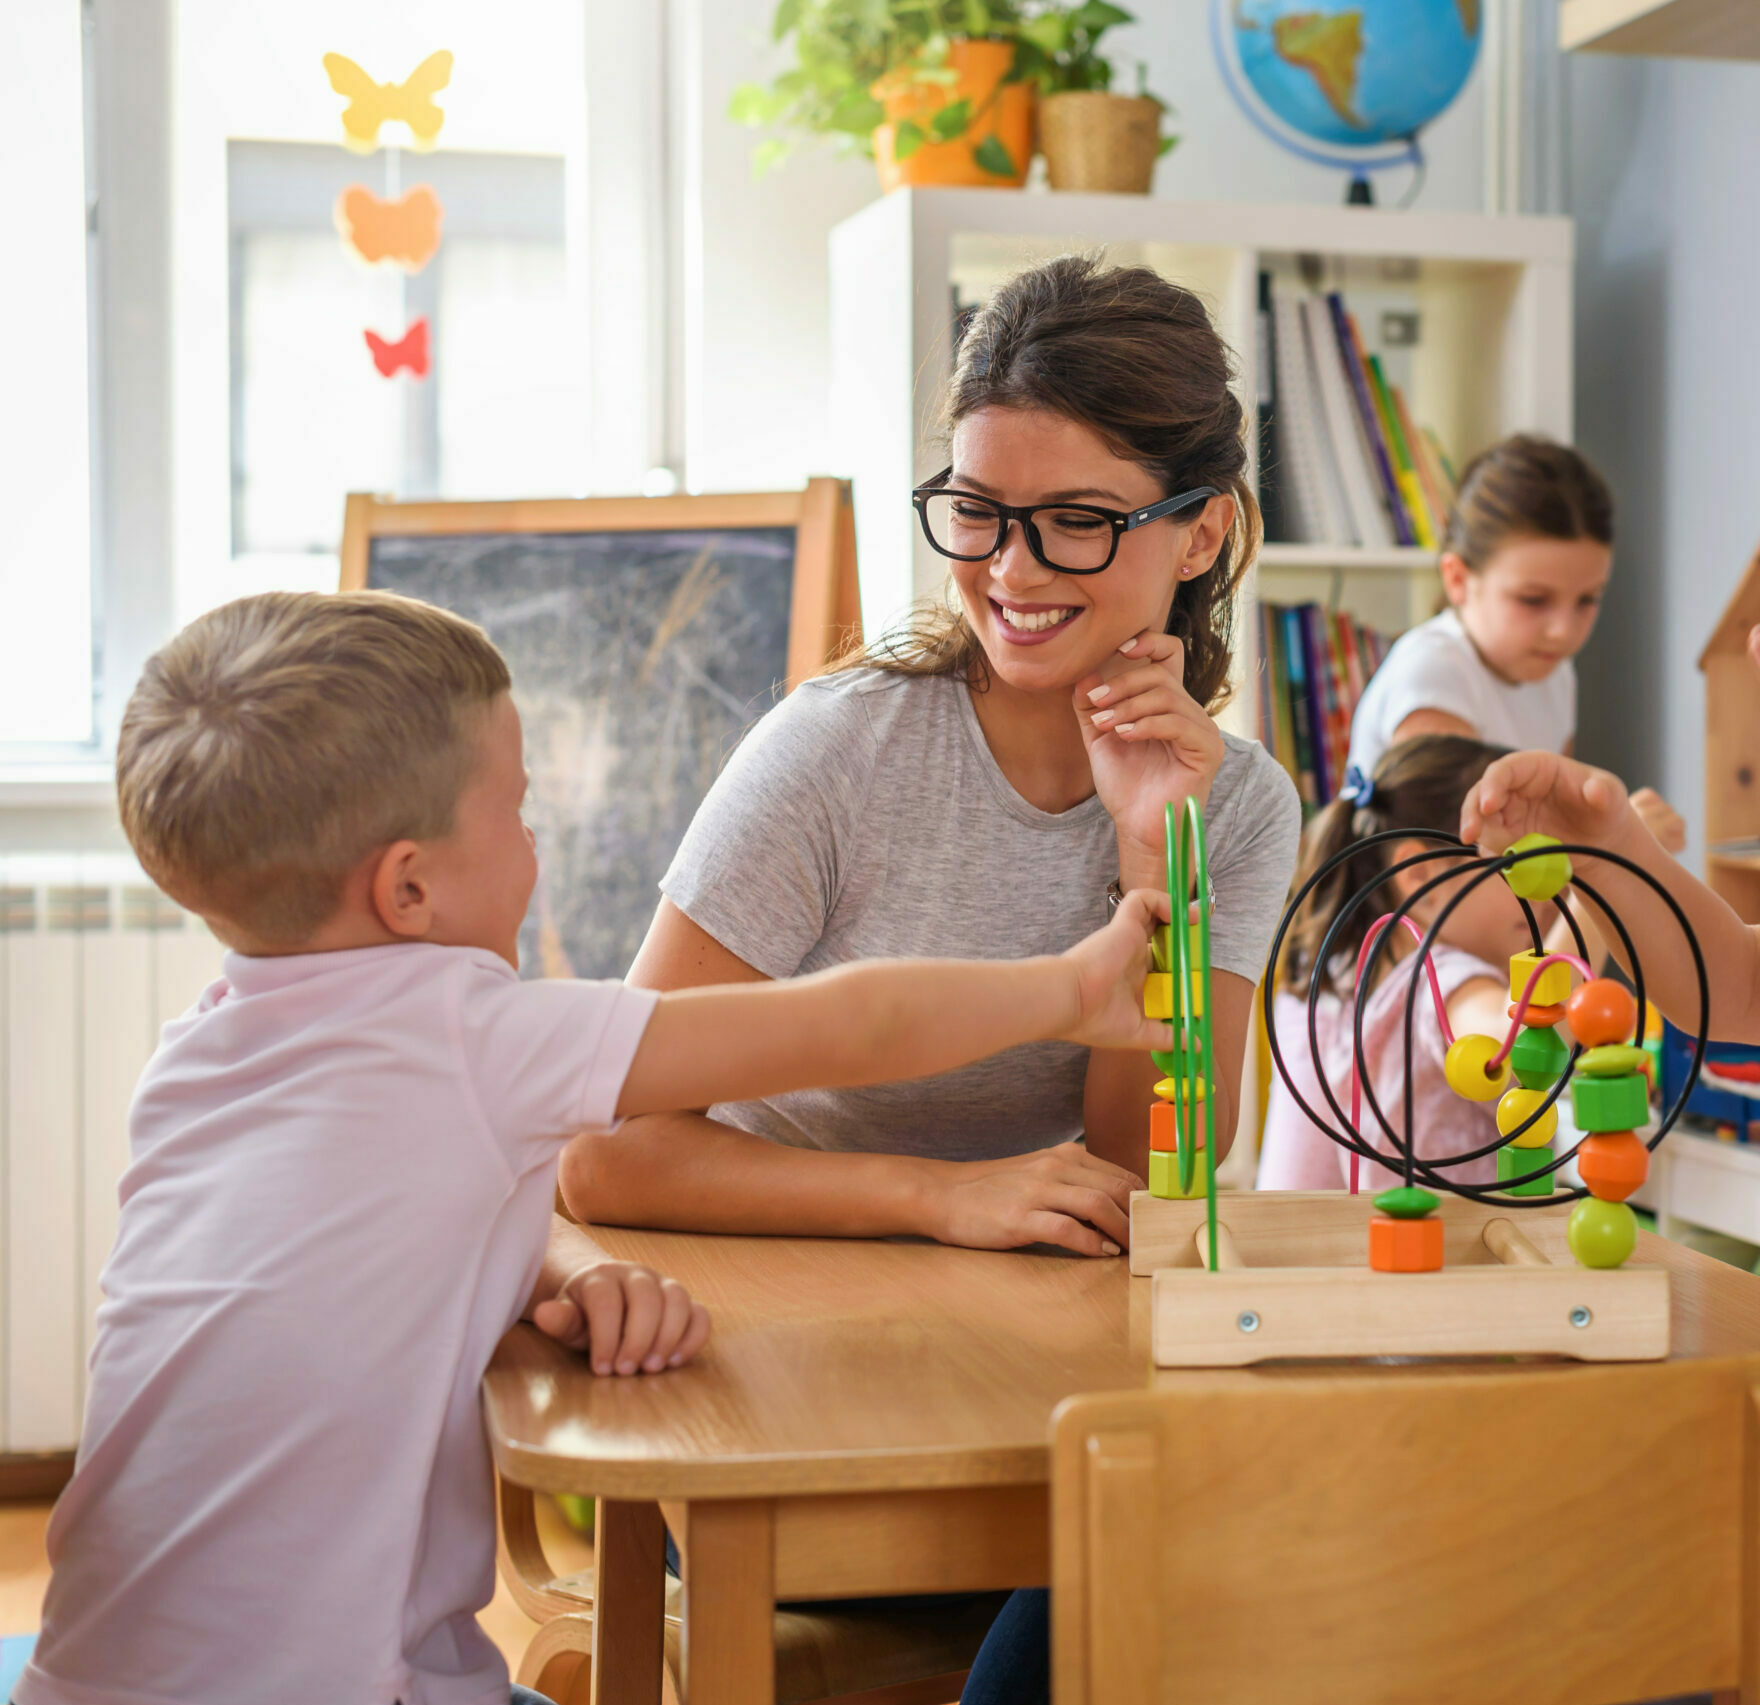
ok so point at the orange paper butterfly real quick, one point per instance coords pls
(406, 232)
(372, 104)
(410, 350)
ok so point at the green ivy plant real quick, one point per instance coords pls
(843, 47)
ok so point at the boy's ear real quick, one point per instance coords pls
(400, 892)
(1455, 575)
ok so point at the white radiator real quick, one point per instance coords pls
(93, 960)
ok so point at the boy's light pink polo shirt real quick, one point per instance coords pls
(338, 1201)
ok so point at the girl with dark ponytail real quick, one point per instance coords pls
(1419, 784)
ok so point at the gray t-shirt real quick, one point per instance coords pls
(864, 817)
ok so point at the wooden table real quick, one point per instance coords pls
(868, 1419)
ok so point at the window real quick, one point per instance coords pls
(45, 544)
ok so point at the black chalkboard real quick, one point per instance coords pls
(639, 657)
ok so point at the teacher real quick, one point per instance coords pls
(976, 785)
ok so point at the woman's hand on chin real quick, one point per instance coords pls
(1149, 741)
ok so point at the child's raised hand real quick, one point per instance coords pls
(1110, 966)
(1661, 819)
(1543, 793)
(628, 1318)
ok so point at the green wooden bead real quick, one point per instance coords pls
(1538, 1058)
(1602, 1234)
(1542, 877)
(1164, 1175)
(1407, 1202)
(1609, 1103)
(1514, 1163)
(1613, 1059)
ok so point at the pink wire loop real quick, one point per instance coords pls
(1580, 966)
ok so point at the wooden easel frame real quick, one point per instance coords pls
(825, 609)
(1293, 1281)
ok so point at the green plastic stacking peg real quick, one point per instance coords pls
(1514, 1163)
(1609, 1103)
(1602, 1234)
(1407, 1202)
(1540, 878)
(1538, 1058)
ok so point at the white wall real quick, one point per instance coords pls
(1660, 162)
(756, 335)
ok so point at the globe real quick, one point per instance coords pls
(1347, 74)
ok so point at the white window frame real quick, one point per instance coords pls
(632, 314)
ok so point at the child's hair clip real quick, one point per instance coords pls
(1358, 788)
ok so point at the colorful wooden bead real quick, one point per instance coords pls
(1538, 1059)
(1601, 1011)
(1515, 1166)
(1613, 1059)
(1516, 1108)
(1554, 984)
(1164, 1128)
(1161, 948)
(1405, 1246)
(1169, 1087)
(1609, 1103)
(1541, 876)
(1612, 1164)
(1602, 1234)
(1537, 1016)
(1464, 1066)
(1158, 995)
(1407, 1202)
(1164, 1176)
(1197, 995)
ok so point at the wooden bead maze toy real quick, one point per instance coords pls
(1448, 1270)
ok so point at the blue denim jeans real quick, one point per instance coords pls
(1013, 1666)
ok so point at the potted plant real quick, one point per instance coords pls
(928, 89)
(1092, 138)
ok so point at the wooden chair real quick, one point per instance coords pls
(888, 1653)
(1405, 1536)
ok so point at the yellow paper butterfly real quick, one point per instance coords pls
(372, 104)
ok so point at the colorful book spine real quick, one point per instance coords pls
(1402, 460)
(1350, 348)
(1433, 498)
(1300, 707)
(1319, 716)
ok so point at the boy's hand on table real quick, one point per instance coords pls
(1110, 966)
(1061, 1195)
(629, 1319)
(1544, 793)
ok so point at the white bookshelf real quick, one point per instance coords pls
(1492, 295)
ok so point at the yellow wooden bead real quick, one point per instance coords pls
(1158, 995)
(1197, 996)
(1464, 1068)
(1553, 988)
(1519, 1104)
(1168, 1089)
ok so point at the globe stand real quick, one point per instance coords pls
(1360, 193)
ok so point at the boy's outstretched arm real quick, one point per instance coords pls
(1543, 793)
(629, 1318)
(887, 1020)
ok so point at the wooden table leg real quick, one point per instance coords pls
(730, 1603)
(629, 1603)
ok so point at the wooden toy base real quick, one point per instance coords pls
(1293, 1280)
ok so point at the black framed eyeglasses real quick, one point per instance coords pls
(1071, 538)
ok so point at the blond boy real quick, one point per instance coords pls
(344, 1158)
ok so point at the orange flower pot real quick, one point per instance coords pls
(1000, 111)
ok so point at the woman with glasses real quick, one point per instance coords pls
(980, 783)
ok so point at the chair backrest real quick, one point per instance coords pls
(1408, 1535)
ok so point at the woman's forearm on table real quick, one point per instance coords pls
(687, 1172)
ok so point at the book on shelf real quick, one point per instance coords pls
(1341, 456)
(1314, 664)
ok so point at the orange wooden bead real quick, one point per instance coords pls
(1600, 1012)
(1164, 1127)
(1540, 1017)
(1405, 1246)
(1613, 1164)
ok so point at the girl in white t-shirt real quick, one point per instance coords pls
(1419, 784)
(1524, 564)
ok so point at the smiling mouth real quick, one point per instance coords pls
(1034, 621)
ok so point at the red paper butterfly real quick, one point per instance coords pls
(410, 350)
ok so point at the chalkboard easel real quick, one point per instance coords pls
(645, 636)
